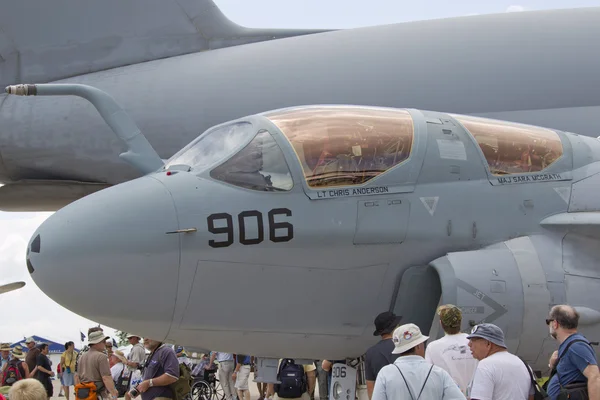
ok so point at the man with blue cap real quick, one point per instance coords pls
(500, 375)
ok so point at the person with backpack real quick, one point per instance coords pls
(16, 369)
(93, 379)
(120, 374)
(410, 377)
(85, 348)
(297, 380)
(575, 374)
(161, 372)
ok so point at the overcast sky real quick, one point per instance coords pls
(29, 312)
(353, 13)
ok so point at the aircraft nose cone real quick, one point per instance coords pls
(108, 258)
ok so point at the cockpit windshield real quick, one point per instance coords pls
(258, 166)
(213, 146)
(346, 145)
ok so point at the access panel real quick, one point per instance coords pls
(382, 221)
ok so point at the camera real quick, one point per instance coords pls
(134, 392)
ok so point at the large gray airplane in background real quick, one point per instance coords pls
(180, 67)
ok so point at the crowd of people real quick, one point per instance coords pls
(95, 372)
(475, 366)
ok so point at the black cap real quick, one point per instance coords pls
(386, 322)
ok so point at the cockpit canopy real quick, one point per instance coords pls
(342, 146)
(348, 146)
(511, 148)
(335, 145)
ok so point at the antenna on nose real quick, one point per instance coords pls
(140, 152)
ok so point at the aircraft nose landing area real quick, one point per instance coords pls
(102, 255)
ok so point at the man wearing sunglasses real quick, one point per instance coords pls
(575, 360)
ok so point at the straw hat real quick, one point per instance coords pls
(17, 352)
(120, 355)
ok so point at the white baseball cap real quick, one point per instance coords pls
(406, 337)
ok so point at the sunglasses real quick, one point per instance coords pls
(549, 320)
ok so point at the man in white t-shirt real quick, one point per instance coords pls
(451, 352)
(500, 375)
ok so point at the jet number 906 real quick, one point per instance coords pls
(286, 229)
(339, 372)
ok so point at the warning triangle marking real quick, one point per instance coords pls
(430, 204)
(564, 193)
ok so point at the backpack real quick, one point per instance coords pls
(122, 383)
(86, 391)
(182, 386)
(293, 380)
(11, 374)
(574, 390)
(539, 393)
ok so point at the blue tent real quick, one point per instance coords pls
(54, 347)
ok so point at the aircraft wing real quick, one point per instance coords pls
(586, 223)
(42, 41)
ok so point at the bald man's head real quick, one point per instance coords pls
(566, 316)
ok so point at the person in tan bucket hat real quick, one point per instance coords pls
(93, 368)
(410, 376)
(451, 352)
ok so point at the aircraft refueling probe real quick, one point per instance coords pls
(9, 287)
(140, 152)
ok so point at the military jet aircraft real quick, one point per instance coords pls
(243, 238)
(180, 67)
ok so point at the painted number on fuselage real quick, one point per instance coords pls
(339, 372)
(276, 229)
